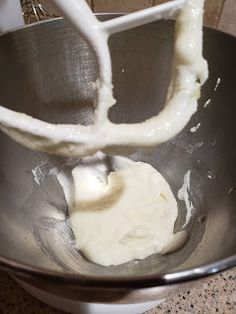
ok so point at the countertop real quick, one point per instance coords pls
(215, 295)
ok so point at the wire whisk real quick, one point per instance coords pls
(34, 11)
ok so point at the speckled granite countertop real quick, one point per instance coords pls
(216, 295)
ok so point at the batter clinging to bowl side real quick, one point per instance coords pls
(131, 213)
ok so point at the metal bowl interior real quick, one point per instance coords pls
(46, 71)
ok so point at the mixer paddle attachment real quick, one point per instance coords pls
(189, 73)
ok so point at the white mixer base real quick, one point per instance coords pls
(76, 307)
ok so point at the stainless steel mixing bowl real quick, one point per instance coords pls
(46, 71)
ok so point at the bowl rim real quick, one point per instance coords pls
(25, 270)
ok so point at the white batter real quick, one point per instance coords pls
(128, 215)
(184, 195)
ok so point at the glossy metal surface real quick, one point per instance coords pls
(46, 71)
